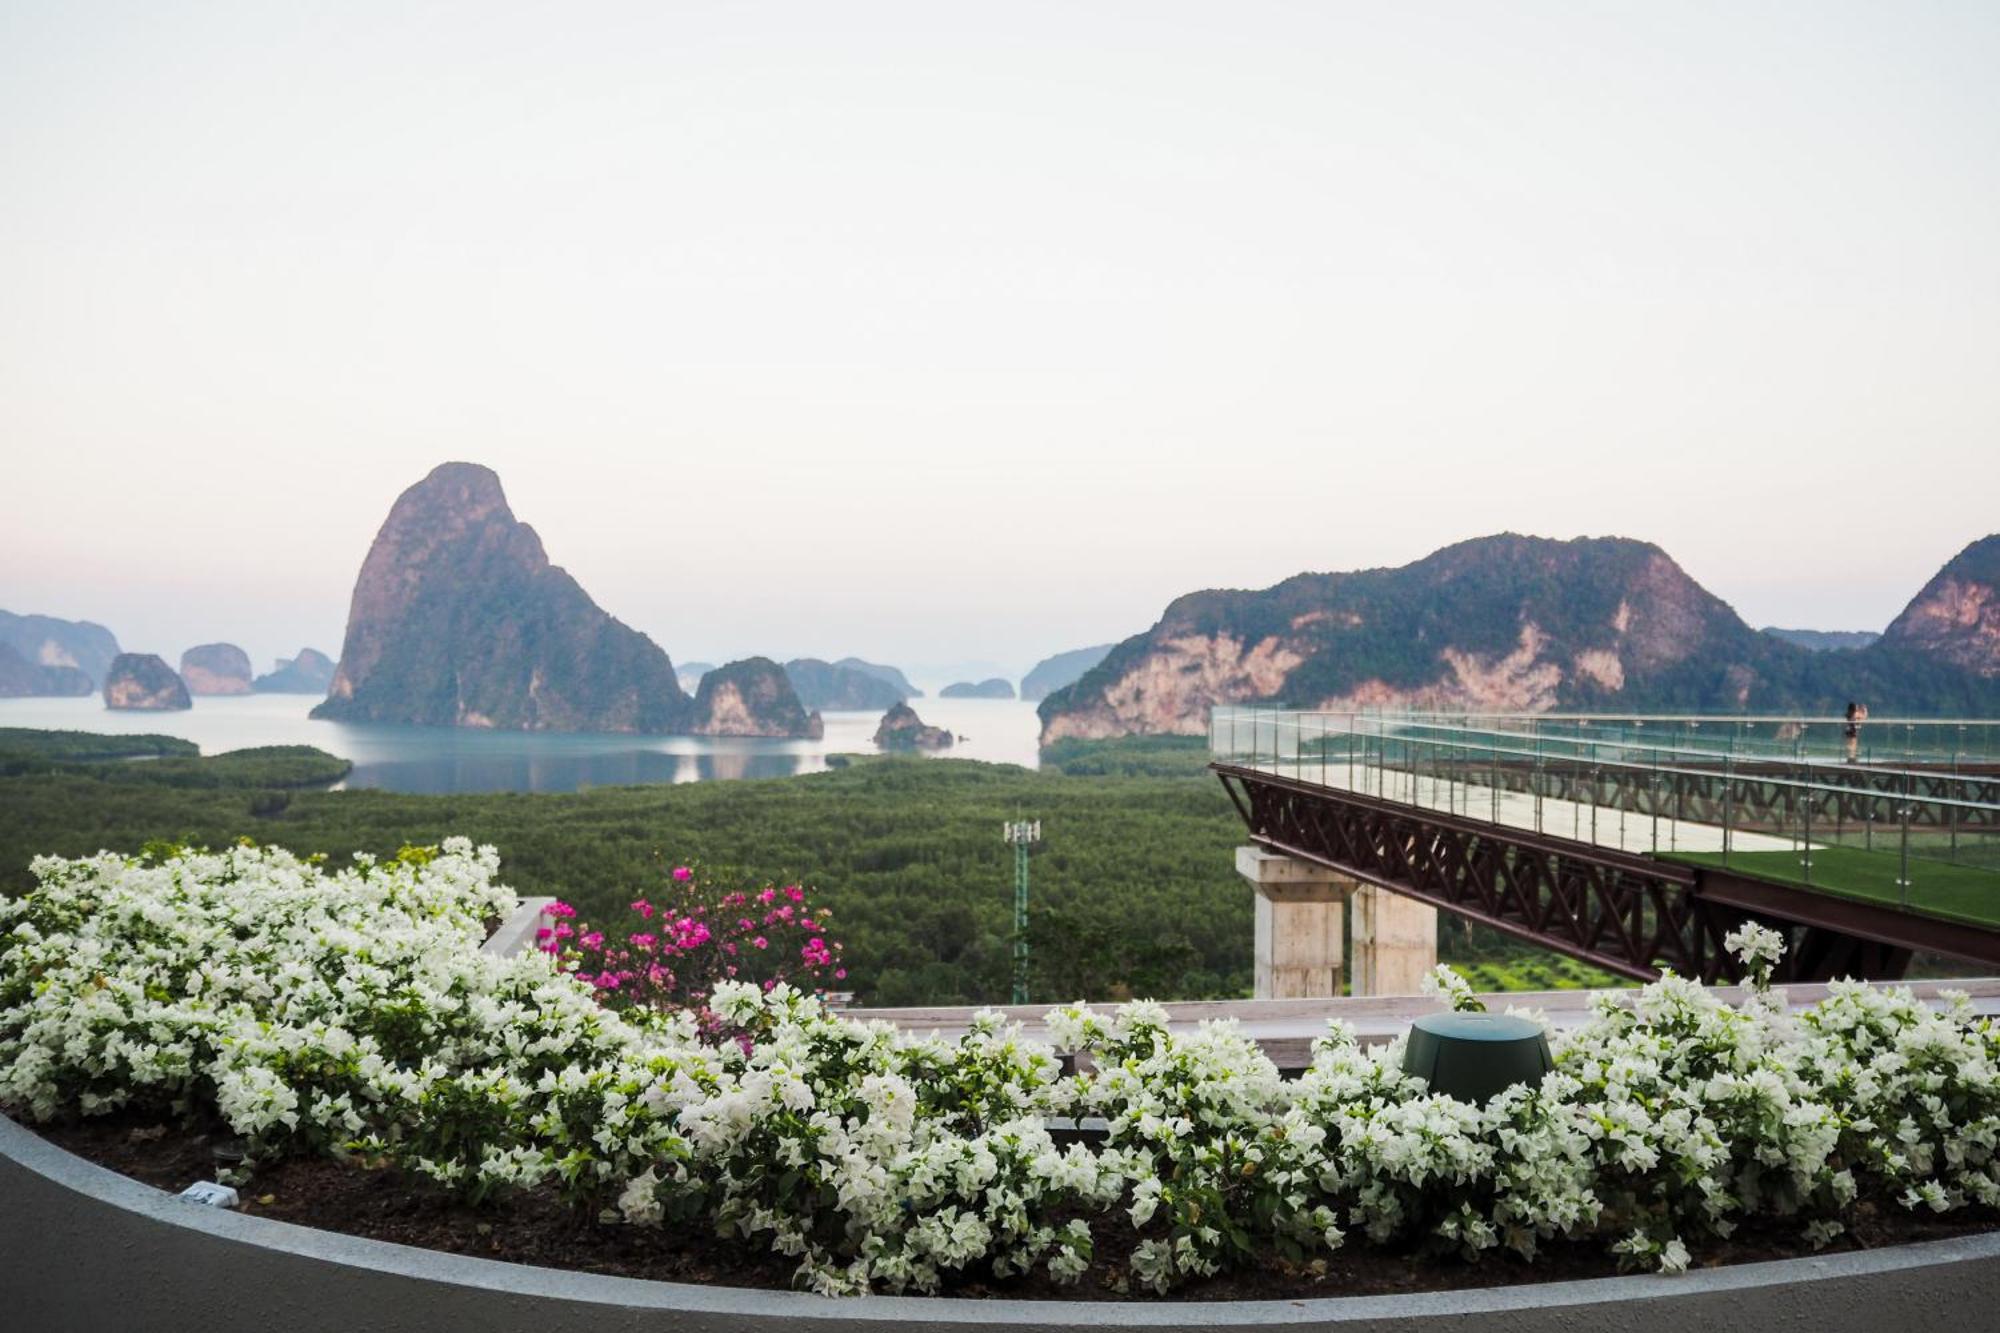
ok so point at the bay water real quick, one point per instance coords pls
(451, 759)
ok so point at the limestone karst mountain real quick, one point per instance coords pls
(834, 687)
(216, 668)
(20, 678)
(1955, 618)
(890, 674)
(142, 682)
(459, 619)
(63, 649)
(1052, 673)
(996, 687)
(308, 673)
(1512, 623)
(902, 729)
(752, 697)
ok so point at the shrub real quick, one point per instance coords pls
(672, 954)
(351, 1012)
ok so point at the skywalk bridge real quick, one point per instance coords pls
(1636, 843)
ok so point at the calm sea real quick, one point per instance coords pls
(445, 759)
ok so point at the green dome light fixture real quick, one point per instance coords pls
(1474, 1056)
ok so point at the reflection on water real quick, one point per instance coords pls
(571, 772)
(446, 759)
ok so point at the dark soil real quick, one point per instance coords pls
(537, 1228)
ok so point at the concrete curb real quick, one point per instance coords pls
(83, 1248)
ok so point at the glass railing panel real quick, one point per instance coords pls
(1775, 797)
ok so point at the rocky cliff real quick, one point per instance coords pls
(311, 672)
(141, 682)
(1522, 624)
(458, 619)
(1955, 619)
(216, 668)
(19, 677)
(1052, 673)
(994, 688)
(834, 687)
(45, 641)
(752, 697)
(902, 729)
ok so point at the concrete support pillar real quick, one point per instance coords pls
(1395, 942)
(1299, 916)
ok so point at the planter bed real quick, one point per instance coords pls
(390, 1078)
(385, 1204)
(86, 1249)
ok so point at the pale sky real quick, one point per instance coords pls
(949, 334)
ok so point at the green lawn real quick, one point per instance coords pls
(1965, 893)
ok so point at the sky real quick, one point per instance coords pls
(954, 336)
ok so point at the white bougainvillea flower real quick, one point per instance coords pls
(351, 1011)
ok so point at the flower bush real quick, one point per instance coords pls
(671, 954)
(350, 1012)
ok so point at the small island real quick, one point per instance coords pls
(838, 688)
(752, 697)
(995, 688)
(308, 673)
(902, 729)
(141, 682)
(216, 668)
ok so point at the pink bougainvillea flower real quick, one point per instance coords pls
(628, 966)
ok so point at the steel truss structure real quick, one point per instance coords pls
(1626, 913)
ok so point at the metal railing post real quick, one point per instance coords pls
(1903, 876)
(1805, 858)
(1596, 786)
(1538, 780)
(1728, 805)
(1493, 753)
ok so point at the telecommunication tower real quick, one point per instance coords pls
(1021, 834)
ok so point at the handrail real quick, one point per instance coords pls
(1278, 717)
